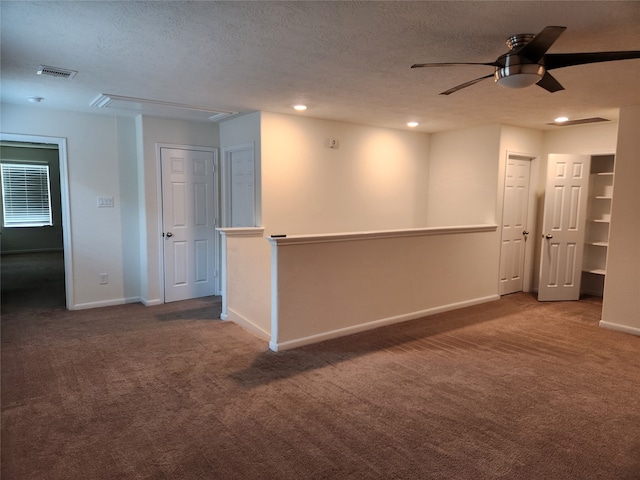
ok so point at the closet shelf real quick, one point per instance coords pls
(596, 271)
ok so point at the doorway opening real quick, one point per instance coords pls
(36, 260)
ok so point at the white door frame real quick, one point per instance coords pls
(530, 244)
(216, 194)
(61, 142)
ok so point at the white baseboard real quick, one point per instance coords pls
(105, 303)
(235, 317)
(341, 332)
(151, 303)
(620, 328)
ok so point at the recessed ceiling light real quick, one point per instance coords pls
(35, 99)
(412, 124)
(300, 108)
(561, 119)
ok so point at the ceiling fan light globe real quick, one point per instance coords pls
(519, 75)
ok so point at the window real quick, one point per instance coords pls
(26, 198)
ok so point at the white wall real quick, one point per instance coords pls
(116, 156)
(97, 234)
(150, 132)
(240, 130)
(463, 177)
(330, 286)
(128, 195)
(582, 139)
(376, 179)
(247, 281)
(621, 304)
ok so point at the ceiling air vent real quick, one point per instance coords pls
(56, 72)
(580, 121)
(221, 115)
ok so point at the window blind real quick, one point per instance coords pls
(26, 197)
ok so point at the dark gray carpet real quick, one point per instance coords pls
(513, 389)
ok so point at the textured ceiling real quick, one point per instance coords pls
(348, 61)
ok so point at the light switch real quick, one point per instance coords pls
(105, 201)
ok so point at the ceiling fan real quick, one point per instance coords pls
(527, 62)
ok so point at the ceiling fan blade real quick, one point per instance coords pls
(465, 85)
(559, 60)
(421, 65)
(549, 83)
(538, 46)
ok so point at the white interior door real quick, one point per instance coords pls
(239, 195)
(514, 225)
(565, 208)
(242, 188)
(189, 220)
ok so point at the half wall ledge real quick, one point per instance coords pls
(410, 232)
(330, 285)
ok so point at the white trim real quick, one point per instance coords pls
(341, 332)
(620, 328)
(106, 303)
(242, 231)
(64, 201)
(348, 237)
(235, 317)
(151, 303)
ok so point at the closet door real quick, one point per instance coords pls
(563, 227)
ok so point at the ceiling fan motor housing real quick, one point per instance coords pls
(518, 72)
(519, 40)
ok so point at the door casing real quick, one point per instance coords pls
(61, 142)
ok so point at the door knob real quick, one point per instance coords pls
(169, 234)
(548, 236)
(524, 232)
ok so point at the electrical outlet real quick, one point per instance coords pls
(104, 279)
